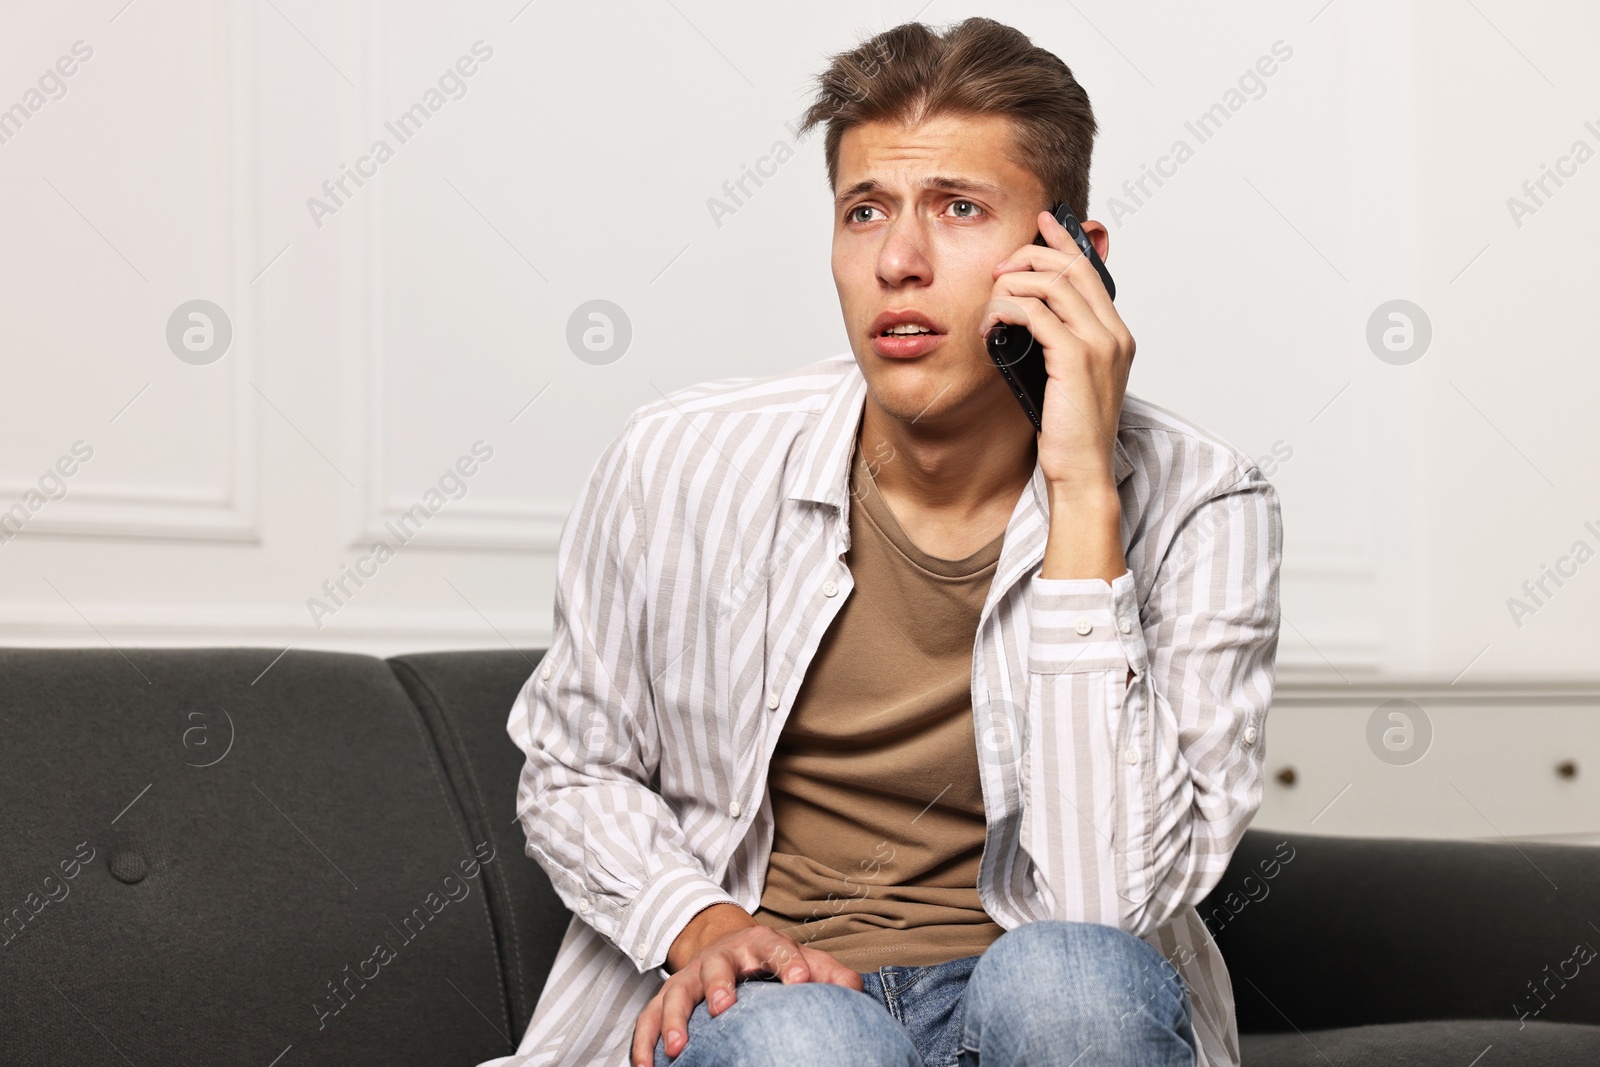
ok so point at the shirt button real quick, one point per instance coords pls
(544, 672)
(583, 905)
(1131, 756)
(1124, 625)
(1249, 735)
(772, 701)
(640, 949)
(734, 809)
(1084, 626)
(829, 588)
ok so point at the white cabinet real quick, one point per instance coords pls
(1431, 760)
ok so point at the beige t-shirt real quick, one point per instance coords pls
(874, 780)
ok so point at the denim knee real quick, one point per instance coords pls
(1056, 983)
(804, 1024)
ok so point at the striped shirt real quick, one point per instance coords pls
(696, 576)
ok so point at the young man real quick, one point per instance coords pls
(875, 727)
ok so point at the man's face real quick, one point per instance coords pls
(926, 212)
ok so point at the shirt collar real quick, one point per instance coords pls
(824, 471)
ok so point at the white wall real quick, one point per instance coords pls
(372, 350)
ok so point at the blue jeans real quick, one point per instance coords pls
(1046, 994)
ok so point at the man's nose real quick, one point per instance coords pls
(904, 256)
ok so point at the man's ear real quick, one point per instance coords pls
(1100, 237)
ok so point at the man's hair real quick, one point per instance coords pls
(978, 67)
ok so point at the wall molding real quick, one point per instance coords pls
(354, 628)
(1488, 691)
(497, 526)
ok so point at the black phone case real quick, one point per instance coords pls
(1020, 360)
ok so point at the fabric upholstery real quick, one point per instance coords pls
(1357, 931)
(265, 875)
(465, 698)
(197, 852)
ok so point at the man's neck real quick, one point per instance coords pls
(951, 484)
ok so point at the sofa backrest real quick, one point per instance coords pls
(212, 856)
(1328, 932)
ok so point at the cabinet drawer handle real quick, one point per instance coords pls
(1286, 776)
(1567, 768)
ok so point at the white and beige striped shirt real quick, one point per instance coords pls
(696, 577)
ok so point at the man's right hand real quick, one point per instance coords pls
(712, 970)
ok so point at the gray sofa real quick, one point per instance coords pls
(319, 864)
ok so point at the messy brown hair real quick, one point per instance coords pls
(977, 67)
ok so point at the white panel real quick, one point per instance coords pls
(93, 279)
(377, 631)
(436, 423)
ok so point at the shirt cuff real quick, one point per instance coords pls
(661, 911)
(1082, 625)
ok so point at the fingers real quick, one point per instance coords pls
(1058, 236)
(1032, 312)
(645, 1032)
(718, 978)
(678, 1000)
(788, 962)
(1068, 303)
(1059, 255)
(713, 976)
(667, 1015)
(825, 967)
(1067, 265)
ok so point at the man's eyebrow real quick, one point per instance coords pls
(949, 185)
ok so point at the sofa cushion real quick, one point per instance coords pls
(1455, 1043)
(466, 698)
(210, 864)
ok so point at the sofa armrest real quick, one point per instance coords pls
(1322, 932)
(465, 699)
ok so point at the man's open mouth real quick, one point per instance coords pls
(903, 322)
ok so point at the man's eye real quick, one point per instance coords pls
(968, 203)
(854, 212)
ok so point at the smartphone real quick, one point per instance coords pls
(1013, 349)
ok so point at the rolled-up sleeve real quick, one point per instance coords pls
(1136, 792)
(612, 847)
